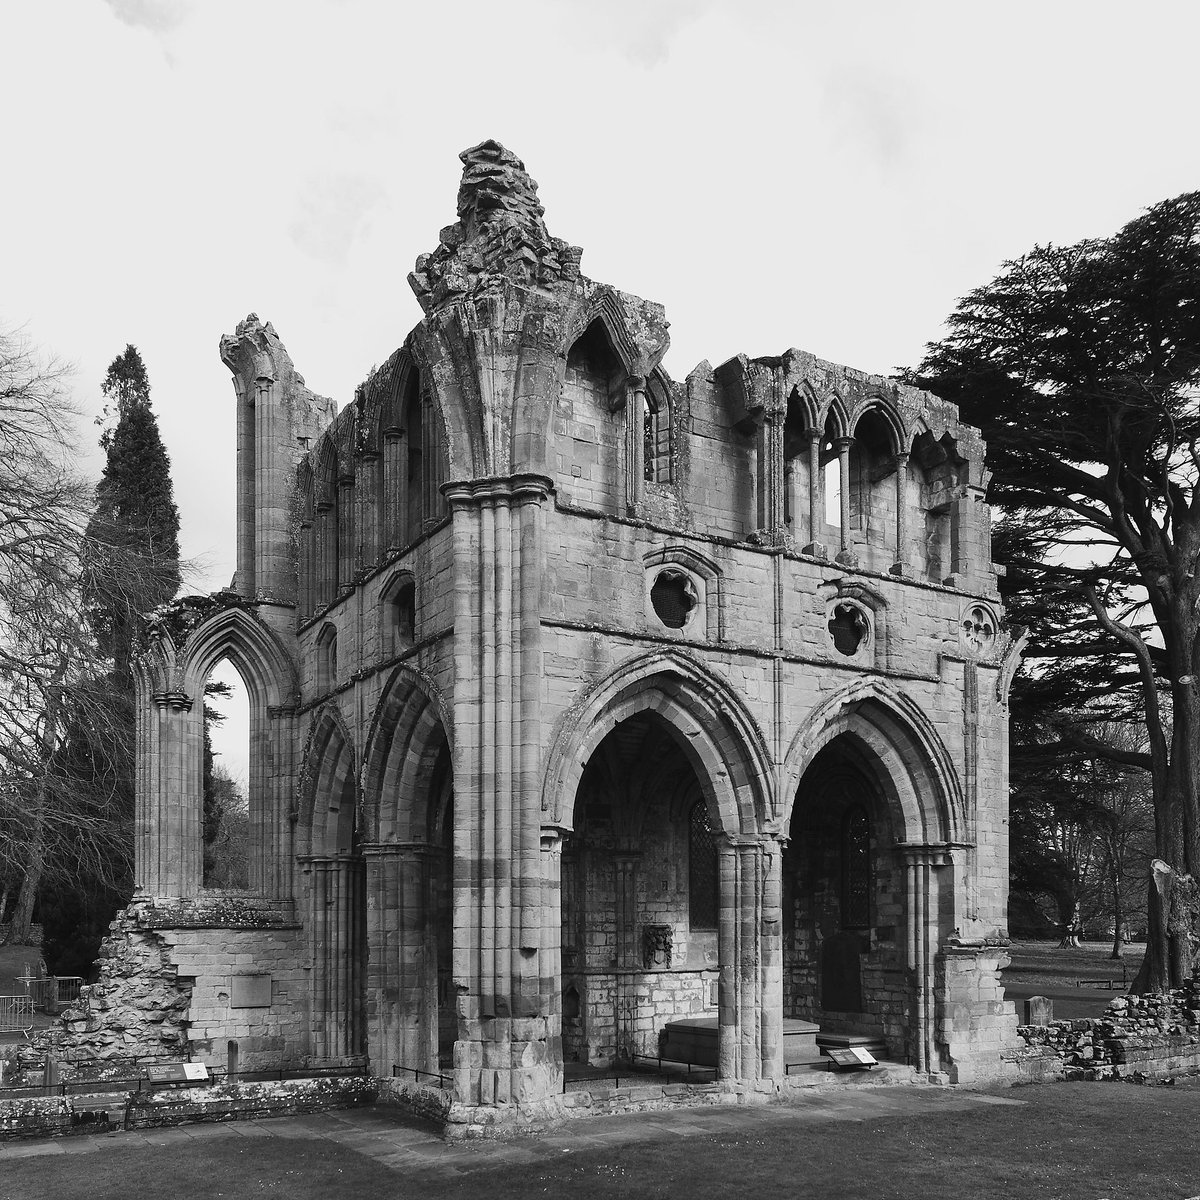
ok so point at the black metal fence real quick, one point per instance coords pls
(442, 1081)
(631, 1075)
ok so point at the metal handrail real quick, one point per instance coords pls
(632, 1076)
(417, 1074)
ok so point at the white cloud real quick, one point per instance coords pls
(158, 16)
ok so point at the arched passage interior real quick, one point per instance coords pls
(334, 878)
(843, 903)
(639, 896)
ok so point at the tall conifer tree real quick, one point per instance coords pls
(131, 565)
(136, 523)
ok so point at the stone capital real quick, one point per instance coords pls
(498, 490)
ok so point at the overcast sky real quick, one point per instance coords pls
(819, 175)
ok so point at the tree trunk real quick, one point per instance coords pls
(1068, 913)
(1173, 906)
(22, 919)
(1118, 948)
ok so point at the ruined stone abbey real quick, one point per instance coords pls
(584, 701)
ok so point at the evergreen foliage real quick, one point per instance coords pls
(1081, 366)
(136, 522)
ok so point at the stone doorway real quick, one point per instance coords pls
(639, 898)
(844, 962)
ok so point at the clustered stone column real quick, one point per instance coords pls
(551, 952)
(509, 1044)
(273, 769)
(901, 565)
(335, 884)
(970, 535)
(169, 855)
(635, 446)
(750, 950)
(921, 910)
(770, 476)
(346, 567)
(846, 553)
(395, 487)
(815, 544)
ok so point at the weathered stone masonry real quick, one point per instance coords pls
(584, 699)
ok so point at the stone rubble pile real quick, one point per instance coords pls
(135, 1009)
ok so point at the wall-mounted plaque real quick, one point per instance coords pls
(250, 991)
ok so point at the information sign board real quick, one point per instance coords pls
(852, 1057)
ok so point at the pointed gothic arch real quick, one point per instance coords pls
(901, 745)
(704, 714)
(410, 731)
(169, 782)
(328, 783)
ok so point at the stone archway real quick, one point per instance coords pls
(639, 898)
(334, 881)
(408, 821)
(875, 814)
(702, 729)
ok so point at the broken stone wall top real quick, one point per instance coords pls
(499, 235)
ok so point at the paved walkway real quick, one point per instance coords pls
(403, 1145)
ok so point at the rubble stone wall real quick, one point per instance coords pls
(1138, 1038)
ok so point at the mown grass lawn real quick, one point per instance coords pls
(1066, 1142)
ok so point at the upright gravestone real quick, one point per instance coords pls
(1039, 1010)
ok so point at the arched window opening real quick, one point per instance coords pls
(833, 486)
(856, 869)
(656, 433)
(226, 819)
(306, 540)
(415, 433)
(702, 869)
(399, 614)
(872, 465)
(592, 357)
(796, 443)
(327, 660)
(588, 468)
(831, 474)
(326, 522)
(933, 476)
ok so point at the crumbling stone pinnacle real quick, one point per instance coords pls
(499, 235)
